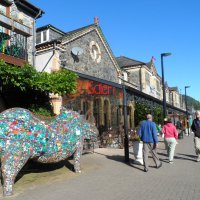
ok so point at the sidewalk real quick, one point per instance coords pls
(105, 176)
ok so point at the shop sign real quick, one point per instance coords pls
(95, 88)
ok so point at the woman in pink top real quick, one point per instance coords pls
(170, 138)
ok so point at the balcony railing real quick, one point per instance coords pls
(13, 45)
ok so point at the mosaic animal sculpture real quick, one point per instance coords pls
(23, 136)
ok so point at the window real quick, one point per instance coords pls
(147, 78)
(157, 85)
(42, 36)
(38, 38)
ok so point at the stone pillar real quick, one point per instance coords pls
(55, 62)
(56, 102)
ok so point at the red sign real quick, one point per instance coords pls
(96, 88)
(100, 88)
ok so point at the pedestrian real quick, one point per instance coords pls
(158, 128)
(148, 135)
(196, 129)
(179, 129)
(170, 138)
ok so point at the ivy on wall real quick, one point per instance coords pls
(30, 89)
(26, 78)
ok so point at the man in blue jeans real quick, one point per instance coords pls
(148, 135)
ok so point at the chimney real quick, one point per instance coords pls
(96, 20)
(153, 59)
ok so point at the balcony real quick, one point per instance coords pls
(13, 48)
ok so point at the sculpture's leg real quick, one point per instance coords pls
(77, 156)
(12, 162)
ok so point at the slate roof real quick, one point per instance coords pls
(78, 32)
(173, 89)
(80, 29)
(149, 64)
(124, 62)
(30, 8)
(49, 26)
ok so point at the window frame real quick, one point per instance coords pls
(42, 36)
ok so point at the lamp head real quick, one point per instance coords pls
(166, 54)
(187, 86)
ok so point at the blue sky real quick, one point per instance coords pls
(140, 29)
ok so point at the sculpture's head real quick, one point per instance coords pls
(90, 130)
(79, 124)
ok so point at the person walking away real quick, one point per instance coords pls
(158, 128)
(148, 135)
(170, 138)
(196, 130)
(179, 129)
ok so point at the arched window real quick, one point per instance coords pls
(107, 114)
(96, 112)
(84, 106)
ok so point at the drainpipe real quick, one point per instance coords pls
(140, 79)
(34, 35)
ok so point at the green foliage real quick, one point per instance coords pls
(142, 109)
(26, 78)
(197, 106)
(43, 111)
(192, 103)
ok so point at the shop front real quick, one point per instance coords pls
(100, 102)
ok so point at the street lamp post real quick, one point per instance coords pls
(187, 109)
(126, 139)
(163, 83)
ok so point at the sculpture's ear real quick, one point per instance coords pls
(93, 124)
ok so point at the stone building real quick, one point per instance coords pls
(17, 31)
(48, 47)
(17, 34)
(99, 94)
(175, 97)
(142, 75)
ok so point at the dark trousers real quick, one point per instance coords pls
(146, 148)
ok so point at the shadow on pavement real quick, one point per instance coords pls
(179, 157)
(191, 156)
(36, 167)
(120, 158)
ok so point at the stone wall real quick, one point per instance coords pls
(104, 69)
